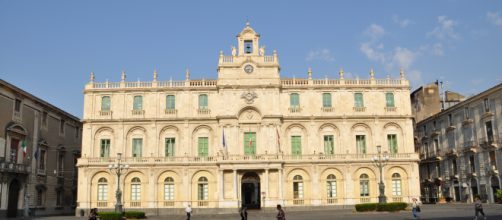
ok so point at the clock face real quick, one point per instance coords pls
(248, 68)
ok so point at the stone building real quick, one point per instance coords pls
(247, 138)
(460, 149)
(39, 147)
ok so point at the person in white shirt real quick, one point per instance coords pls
(188, 210)
(415, 205)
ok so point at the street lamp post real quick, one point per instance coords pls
(380, 161)
(118, 169)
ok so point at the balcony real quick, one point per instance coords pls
(138, 112)
(359, 109)
(470, 146)
(451, 152)
(13, 167)
(294, 109)
(492, 170)
(327, 109)
(390, 109)
(105, 113)
(102, 204)
(171, 111)
(490, 142)
(203, 111)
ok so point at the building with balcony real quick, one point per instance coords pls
(459, 149)
(39, 147)
(247, 138)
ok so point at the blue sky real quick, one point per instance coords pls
(48, 48)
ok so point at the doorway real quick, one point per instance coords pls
(250, 190)
(14, 188)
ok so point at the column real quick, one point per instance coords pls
(221, 183)
(281, 187)
(235, 185)
(266, 197)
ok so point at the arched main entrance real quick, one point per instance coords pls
(250, 190)
(14, 188)
(495, 186)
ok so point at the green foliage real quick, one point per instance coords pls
(109, 215)
(498, 194)
(388, 207)
(134, 214)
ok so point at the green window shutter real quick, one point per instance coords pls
(326, 100)
(203, 146)
(249, 143)
(105, 148)
(105, 103)
(358, 100)
(361, 144)
(392, 141)
(328, 144)
(389, 97)
(138, 103)
(137, 145)
(203, 101)
(294, 100)
(170, 143)
(170, 102)
(296, 145)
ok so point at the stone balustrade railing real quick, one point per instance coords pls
(245, 158)
(286, 83)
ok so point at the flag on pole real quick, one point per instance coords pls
(223, 140)
(37, 152)
(23, 146)
(278, 139)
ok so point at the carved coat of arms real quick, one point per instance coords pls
(249, 96)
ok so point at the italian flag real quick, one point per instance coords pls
(23, 146)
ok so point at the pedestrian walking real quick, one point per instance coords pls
(415, 208)
(93, 215)
(478, 208)
(280, 213)
(244, 213)
(188, 210)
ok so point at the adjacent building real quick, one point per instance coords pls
(247, 138)
(39, 147)
(460, 149)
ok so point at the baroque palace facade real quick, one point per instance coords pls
(248, 138)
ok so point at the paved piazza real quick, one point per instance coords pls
(446, 211)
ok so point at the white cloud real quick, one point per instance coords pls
(401, 22)
(403, 57)
(437, 49)
(375, 31)
(445, 29)
(372, 53)
(494, 18)
(415, 78)
(321, 54)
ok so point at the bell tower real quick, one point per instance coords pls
(248, 65)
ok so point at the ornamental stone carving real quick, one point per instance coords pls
(249, 96)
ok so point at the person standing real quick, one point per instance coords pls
(415, 208)
(244, 213)
(478, 208)
(280, 214)
(188, 210)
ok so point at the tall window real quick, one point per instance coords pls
(248, 46)
(329, 146)
(392, 141)
(137, 147)
(489, 131)
(326, 100)
(487, 105)
(203, 101)
(102, 189)
(105, 148)
(169, 188)
(294, 100)
(138, 103)
(297, 187)
(466, 113)
(59, 198)
(249, 143)
(170, 142)
(358, 100)
(296, 145)
(389, 99)
(61, 126)
(170, 102)
(203, 146)
(41, 162)
(17, 106)
(472, 164)
(396, 184)
(135, 189)
(14, 144)
(40, 196)
(105, 103)
(331, 186)
(202, 189)
(361, 144)
(364, 183)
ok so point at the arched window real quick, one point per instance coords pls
(102, 189)
(203, 189)
(203, 101)
(135, 189)
(294, 100)
(138, 103)
(331, 186)
(297, 187)
(105, 103)
(396, 184)
(169, 188)
(364, 183)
